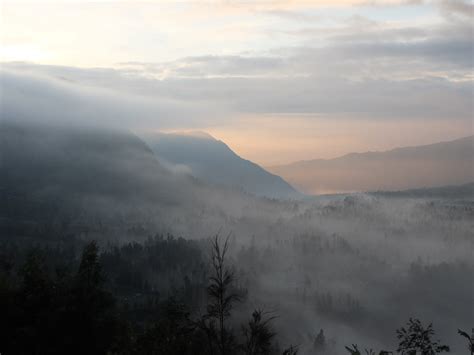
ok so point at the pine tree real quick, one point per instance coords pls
(258, 335)
(222, 297)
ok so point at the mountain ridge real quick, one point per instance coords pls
(213, 161)
(369, 152)
(401, 168)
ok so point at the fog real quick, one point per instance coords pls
(356, 265)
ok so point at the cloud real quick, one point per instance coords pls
(64, 98)
(378, 72)
(426, 77)
(457, 8)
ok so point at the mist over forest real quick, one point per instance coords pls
(236, 177)
(356, 266)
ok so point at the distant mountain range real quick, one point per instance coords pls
(438, 164)
(463, 192)
(212, 161)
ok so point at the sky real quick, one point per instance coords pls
(278, 81)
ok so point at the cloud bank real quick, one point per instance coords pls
(34, 96)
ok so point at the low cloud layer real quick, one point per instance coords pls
(31, 95)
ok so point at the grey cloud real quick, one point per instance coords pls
(441, 47)
(437, 54)
(461, 8)
(327, 90)
(399, 73)
(374, 99)
(73, 96)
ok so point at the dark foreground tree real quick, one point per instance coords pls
(416, 339)
(59, 312)
(222, 297)
(354, 350)
(470, 339)
(57, 303)
(258, 334)
(173, 334)
(292, 350)
(91, 315)
(33, 302)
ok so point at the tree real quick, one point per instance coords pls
(92, 314)
(173, 334)
(292, 350)
(222, 297)
(354, 350)
(35, 279)
(470, 339)
(34, 299)
(258, 335)
(89, 275)
(320, 342)
(417, 339)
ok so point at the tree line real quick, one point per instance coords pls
(108, 303)
(74, 310)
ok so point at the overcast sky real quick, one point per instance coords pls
(278, 81)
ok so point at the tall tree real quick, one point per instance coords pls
(222, 296)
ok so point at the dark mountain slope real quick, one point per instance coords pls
(61, 173)
(213, 161)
